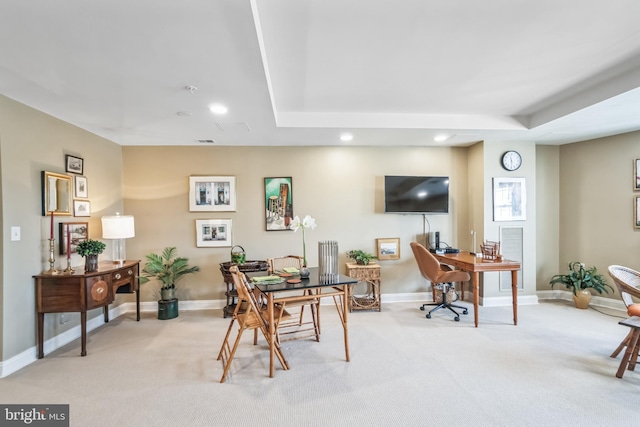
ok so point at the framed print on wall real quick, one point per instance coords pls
(81, 208)
(278, 203)
(74, 164)
(77, 231)
(213, 233)
(388, 248)
(212, 193)
(636, 212)
(81, 191)
(636, 174)
(509, 199)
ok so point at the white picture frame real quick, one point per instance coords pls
(213, 233)
(212, 193)
(509, 199)
(81, 189)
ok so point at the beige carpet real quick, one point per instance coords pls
(553, 369)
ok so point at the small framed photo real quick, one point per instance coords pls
(212, 193)
(81, 191)
(81, 208)
(636, 213)
(636, 174)
(74, 164)
(71, 234)
(211, 233)
(388, 248)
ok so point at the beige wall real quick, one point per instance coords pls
(30, 142)
(341, 187)
(597, 202)
(548, 213)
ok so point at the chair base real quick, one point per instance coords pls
(445, 304)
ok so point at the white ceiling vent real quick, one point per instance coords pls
(206, 141)
(234, 127)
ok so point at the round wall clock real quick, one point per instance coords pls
(511, 160)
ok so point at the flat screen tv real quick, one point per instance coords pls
(416, 194)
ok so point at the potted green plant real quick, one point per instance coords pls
(167, 268)
(361, 257)
(90, 249)
(580, 281)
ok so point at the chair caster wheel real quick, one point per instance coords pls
(428, 316)
(422, 308)
(457, 318)
(465, 311)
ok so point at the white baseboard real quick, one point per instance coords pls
(29, 356)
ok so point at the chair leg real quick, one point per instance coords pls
(622, 345)
(444, 304)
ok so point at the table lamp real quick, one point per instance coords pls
(118, 227)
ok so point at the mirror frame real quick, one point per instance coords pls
(51, 191)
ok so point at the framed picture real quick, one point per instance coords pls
(213, 233)
(212, 193)
(636, 174)
(388, 248)
(81, 191)
(81, 208)
(71, 234)
(74, 164)
(278, 203)
(636, 213)
(509, 199)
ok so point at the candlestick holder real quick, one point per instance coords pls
(52, 259)
(69, 269)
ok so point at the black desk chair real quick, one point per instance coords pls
(440, 276)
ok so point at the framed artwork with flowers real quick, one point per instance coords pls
(278, 203)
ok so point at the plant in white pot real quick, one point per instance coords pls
(580, 280)
(167, 268)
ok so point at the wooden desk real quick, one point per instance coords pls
(476, 265)
(80, 291)
(338, 289)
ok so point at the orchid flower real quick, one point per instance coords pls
(296, 224)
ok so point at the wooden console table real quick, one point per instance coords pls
(371, 275)
(80, 291)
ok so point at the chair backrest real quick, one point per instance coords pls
(431, 269)
(627, 281)
(245, 294)
(277, 264)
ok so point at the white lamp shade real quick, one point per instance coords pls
(118, 227)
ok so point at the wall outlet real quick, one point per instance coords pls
(15, 234)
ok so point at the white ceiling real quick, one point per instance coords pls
(295, 72)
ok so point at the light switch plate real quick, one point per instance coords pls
(15, 234)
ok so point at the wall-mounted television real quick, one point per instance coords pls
(416, 194)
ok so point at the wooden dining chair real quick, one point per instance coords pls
(627, 282)
(251, 317)
(297, 327)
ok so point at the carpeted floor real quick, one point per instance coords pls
(553, 369)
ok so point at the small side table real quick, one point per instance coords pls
(631, 354)
(232, 293)
(369, 274)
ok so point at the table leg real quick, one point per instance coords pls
(105, 309)
(138, 305)
(345, 310)
(40, 335)
(475, 284)
(83, 328)
(514, 295)
(272, 332)
(633, 342)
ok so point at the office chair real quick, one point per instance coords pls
(440, 276)
(628, 283)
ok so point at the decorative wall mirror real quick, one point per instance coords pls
(56, 193)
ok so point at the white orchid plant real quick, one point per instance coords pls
(307, 222)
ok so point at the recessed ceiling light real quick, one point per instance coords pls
(346, 137)
(441, 137)
(218, 109)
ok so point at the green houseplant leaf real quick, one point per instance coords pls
(167, 268)
(90, 247)
(580, 278)
(361, 257)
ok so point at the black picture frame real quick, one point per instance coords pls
(74, 164)
(278, 203)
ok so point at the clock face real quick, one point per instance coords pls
(511, 160)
